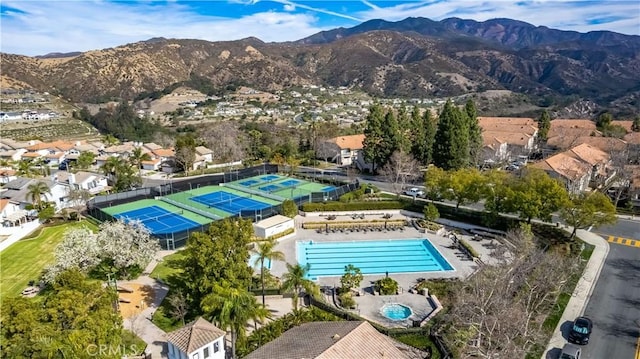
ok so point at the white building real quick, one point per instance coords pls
(272, 226)
(197, 340)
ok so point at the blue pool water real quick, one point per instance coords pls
(372, 257)
(395, 311)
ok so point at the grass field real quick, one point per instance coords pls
(24, 260)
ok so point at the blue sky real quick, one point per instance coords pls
(31, 27)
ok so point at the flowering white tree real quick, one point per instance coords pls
(126, 244)
(119, 245)
(79, 249)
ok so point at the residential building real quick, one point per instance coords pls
(92, 182)
(18, 191)
(634, 185)
(564, 133)
(7, 175)
(204, 154)
(606, 144)
(575, 174)
(343, 150)
(197, 340)
(10, 213)
(601, 170)
(519, 134)
(335, 340)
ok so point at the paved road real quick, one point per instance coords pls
(625, 228)
(615, 306)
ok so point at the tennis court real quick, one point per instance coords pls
(158, 220)
(230, 202)
(282, 186)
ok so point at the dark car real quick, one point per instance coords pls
(580, 331)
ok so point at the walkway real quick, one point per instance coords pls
(582, 292)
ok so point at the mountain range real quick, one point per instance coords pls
(415, 57)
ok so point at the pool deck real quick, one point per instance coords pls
(369, 305)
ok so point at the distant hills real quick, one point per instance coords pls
(415, 57)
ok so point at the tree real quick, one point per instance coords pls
(372, 146)
(435, 182)
(635, 126)
(536, 195)
(295, 280)
(78, 196)
(85, 159)
(386, 286)
(136, 158)
(25, 169)
(120, 173)
(463, 186)
(219, 254)
(36, 191)
(604, 121)
(179, 306)
(475, 132)
(126, 246)
(351, 278)
(185, 151)
(401, 169)
(289, 208)
(544, 125)
(391, 137)
(496, 189)
(74, 315)
(231, 309)
(451, 149)
(403, 124)
(587, 210)
(265, 250)
(431, 212)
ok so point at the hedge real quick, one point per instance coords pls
(468, 247)
(351, 206)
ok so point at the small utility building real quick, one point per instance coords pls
(272, 226)
(196, 340)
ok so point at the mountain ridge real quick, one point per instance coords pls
(414, 57)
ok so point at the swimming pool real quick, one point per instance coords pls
(372, 257)
(255, 263)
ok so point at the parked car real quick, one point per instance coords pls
(570, 351)
(414, 192)
(580, 331)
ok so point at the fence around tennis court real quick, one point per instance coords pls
(178, 238)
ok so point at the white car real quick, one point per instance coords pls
(414, 192)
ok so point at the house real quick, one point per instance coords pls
(606, 144)
(152, 164)
(92, 182)
(18, 191)
(518, 133)
(10, 213)
(12, 155)
(10, 116)
(205, 153)
(343, 150)
(7, 175)
(564, 133)
(574, 173)
(197, 340)
(600, 162)
(335, 340)
(634, 185)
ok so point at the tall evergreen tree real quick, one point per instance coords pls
(423, 128)
(404, 130)
(391, 139)
(544, 124)
(475, 132)
(373, 136)
(451, 149)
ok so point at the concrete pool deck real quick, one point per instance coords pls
(463, 267)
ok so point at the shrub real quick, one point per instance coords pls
(289, 208)
(347, 301)
(281, 234)
(386, 286)
(431, 213)
(468, 247)
(350, 206)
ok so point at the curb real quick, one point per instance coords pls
(593, 285)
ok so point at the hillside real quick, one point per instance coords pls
(415, 57)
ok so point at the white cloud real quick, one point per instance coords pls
(289, 7)
(37, 28)
(561, 14)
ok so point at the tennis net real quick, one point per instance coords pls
(253, 191)
(190, 208)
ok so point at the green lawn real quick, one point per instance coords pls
(169, 265)
(24, 260)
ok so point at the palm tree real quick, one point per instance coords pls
(110, 140)
(136, 157)
(266, 251)
(112, 167)
(25, 168)
(35, 191)
(231, 309)
(295, 280)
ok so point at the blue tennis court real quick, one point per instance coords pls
(249, 183)
(269, 188)
(269, 177)
(229, 202)
(290, 183)
(328, 189)
(158, 220)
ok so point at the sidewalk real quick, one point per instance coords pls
(582, 292)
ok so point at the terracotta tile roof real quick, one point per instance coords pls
(3, 204)
(588, 154)
(7, 172)
(194, 335)
(55, 155)
(573, 123)
(507, 127)
(512, 138)
(607, 144)
(635, 176)
(164, 152)
(507, 121)
(151, 146)
(333, 340)
(152, 161)
(353, 142)
(564, 165)
(31, 155)
(60, 145)
(120, 148)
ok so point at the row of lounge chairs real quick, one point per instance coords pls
(361, 228)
